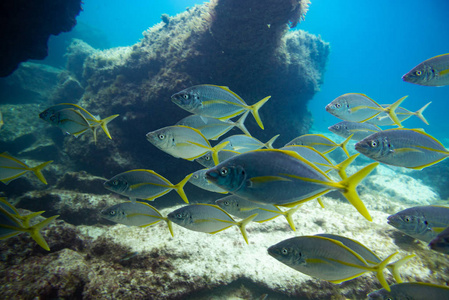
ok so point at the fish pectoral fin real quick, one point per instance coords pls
(438, 229)
(443, 72)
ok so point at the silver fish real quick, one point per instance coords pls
(207, 218)
(11, 168)
(198, 179)
(243, 143)
(408, 148)
(327, 259)
(207, 160)
(441, 242)
(144, 184)
(383, 119)
(216, 102)
(431, 72)
(318, 142)
(358, 131)
(412, 291)
(282, 178)
(418, 222)
(135, 214)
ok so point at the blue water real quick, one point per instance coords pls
(373, 43)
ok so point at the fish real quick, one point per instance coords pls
(312, 155)
(412, 291)
(326, 259)
(319, 142)
(242, 143)
(216, 102)
(360, 108)
(11, 168)
(93, 121)
(283, 178)
(368, 255)
(207, 161)
(441, 242)
(242, 209)
(183, 142)
(383, 119)
(1, 120)
(72, 122)
(431, 72)
(144, 184)
(11, 225)
(207, 218)
(213, 128)
(8, 207)
(135, 214)
(408, 148)
(357, 131)
(419, 221)
(198, 179)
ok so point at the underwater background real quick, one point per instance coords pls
(128, 59)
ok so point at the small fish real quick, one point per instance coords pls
(213, 128)
(243, 143)
(383, 119)
(183, 142)
(282, 178)
(207, 161)
(95, 122)
(360, 108)
(242, 209)
(128, 256)
(199, 179)
(207, 218)
(319, 142)
(11, 168)
(431, 72)
(216, 102)
(411, 291)
(441, 242)
(72, 122)
(135, 214)
(358, 131)
(408, 148)
(419, 222)
(8, 207)
(144, 184)
(327, 259)
(11, 225)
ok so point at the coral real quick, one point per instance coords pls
(25, 27)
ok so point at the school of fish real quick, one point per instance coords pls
(264, 182)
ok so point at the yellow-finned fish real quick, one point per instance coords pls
(431, 72)
(207, 218)
(11, 168)
(327, 259)
(217, 102)
(11, 224)
(319, 142)
(412, 291)
(144, 184)
(135, 214)
(408, 148)
(183, 142)
(51, 115)
(199, 179)
(356, 107)
(383, 119)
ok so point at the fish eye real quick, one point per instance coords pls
(112, 212)
(418, 73)
(284, 251)
(337, 127)
(226, 203)
(224, 171)
(373, 144)
(195, 176)
(186, 96)
(161, 136)
(178, 215)
(338, 105)
(207, 157)
(115, 182)
(407, 219)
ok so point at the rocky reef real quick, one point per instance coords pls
(25, 27)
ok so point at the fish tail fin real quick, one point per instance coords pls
(419, 112)
(341, 167)
(242, 225)
(289, 214)
(104, 124)
(240, 123)
(180, 188)
(35, 233)
(392, 111)
(255, 110)
(170, 226)
(345, 142)
(320, 201)
(380, 275)
(26, 219)
(393, 267)
(37, 171)
(217, 149)
(269, 144)
(349, 186)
